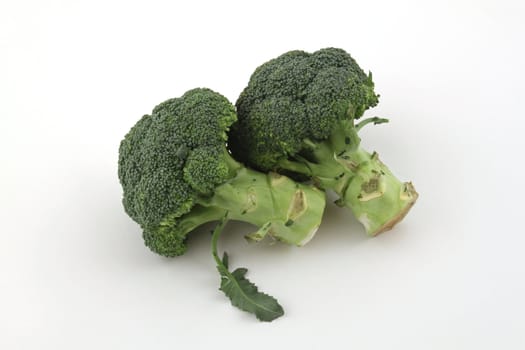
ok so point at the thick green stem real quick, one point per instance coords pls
(364, 184)
(285, 210)
(377, 198)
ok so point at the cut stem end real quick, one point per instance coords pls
(412, 195)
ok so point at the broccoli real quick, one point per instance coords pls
(298, 115)
(177, 174)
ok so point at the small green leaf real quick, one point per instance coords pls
(242, 293)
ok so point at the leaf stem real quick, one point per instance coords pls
(375, 120)
(215, 237)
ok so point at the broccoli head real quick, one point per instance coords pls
(298, 115)
(177, 174)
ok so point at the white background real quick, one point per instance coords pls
(74, 274)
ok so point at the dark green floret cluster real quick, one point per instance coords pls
(167, 161)
(296, 97)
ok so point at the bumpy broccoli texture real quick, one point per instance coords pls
(177, 174)
(298, 116)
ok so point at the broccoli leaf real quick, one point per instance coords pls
(242, 293)
(245, 296)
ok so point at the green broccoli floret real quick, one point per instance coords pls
(177, 174)
(298, 116)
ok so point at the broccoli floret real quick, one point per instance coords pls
(298, 116)
(177, 174)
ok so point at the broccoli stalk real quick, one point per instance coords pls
(363, 183)
(281, 208)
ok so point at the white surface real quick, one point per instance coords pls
(74, 274)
